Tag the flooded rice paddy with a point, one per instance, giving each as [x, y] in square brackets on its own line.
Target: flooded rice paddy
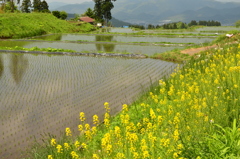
[42, 94]
[127, 39]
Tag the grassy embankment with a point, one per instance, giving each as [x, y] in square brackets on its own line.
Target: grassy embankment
[193, 114]
[177, 56]
[21, 25]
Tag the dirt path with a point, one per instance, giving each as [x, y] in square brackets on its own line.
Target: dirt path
[193, 51]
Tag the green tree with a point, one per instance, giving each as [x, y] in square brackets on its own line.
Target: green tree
[56, 13]
[44, 6]
[107, 6]
[89, 13]
[25, 7]
[36, 5]
[102, 10]
[98, 10]
[63, 15]
[9, 6]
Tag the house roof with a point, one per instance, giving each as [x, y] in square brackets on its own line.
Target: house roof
[87, 19]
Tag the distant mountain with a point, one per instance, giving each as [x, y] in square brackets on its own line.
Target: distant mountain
[156, 11]
[76, 8]
[55, 5]
[118, 23]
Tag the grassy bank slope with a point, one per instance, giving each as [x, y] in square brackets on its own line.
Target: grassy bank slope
[19, 25]
[193, 114]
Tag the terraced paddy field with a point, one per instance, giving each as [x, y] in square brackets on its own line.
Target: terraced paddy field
[42, 94]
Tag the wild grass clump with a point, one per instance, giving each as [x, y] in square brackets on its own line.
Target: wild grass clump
[173, 56]
[193, 114]
[16, 25]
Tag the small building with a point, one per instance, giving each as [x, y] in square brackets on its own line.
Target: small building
[87, 19]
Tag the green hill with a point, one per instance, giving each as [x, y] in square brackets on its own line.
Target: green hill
[20, 25]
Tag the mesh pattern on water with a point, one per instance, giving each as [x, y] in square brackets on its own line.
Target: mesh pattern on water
[42, 94]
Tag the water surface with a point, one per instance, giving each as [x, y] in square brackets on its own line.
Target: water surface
[42, 94]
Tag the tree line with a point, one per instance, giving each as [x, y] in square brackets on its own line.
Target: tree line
[27, 7]
[178, 25]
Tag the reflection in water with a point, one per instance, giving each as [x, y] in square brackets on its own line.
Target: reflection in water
[18, 66]
[106, 47]
[54, 37]
[1, 66]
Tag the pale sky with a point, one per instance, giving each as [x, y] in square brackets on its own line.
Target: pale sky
[80, 1]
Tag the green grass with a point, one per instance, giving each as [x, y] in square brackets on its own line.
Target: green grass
[18, 48]
[173, 56]
[20, 25]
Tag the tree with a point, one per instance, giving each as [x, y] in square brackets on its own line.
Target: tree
[44, 6]
[63, 15]
[107, 6]
[26, 4]
[56, 13]
[102, 10]
[36, 5]
[9, 5]
[98, 10]
[89, 13]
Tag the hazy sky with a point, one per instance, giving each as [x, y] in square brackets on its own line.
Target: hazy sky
[80, 1]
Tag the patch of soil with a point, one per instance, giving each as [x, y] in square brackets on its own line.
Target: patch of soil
[194, 51]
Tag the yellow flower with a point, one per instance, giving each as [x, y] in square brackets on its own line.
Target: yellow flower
[125, 108]
[68, 132]
[135, 155]
[95, 120]
[95, 156]
[145, 154]
[82, 116]
[53, 142]
[84, 146]
[120, 155]
[66, 146]
[59, 148]
[80, 127]
[109, 149]
[77, 144]
[152, 114]
[50, 157]
[106, 105]
[74, 155]
[87, 127]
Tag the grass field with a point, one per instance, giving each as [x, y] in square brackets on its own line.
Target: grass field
[20, 25]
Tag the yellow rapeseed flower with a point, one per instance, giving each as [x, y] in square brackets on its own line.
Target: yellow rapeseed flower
[95, 120]
[66, 146]
[95, 156]
[77, 144]
[59, 148]
[120, 155]
[106, 105]
[80, 128]
[68, 132]
[53, 142]
[74, 155]
[125, 108]
[50, 157]
[82, 116]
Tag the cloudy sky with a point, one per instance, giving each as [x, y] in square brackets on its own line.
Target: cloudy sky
[80, 1]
